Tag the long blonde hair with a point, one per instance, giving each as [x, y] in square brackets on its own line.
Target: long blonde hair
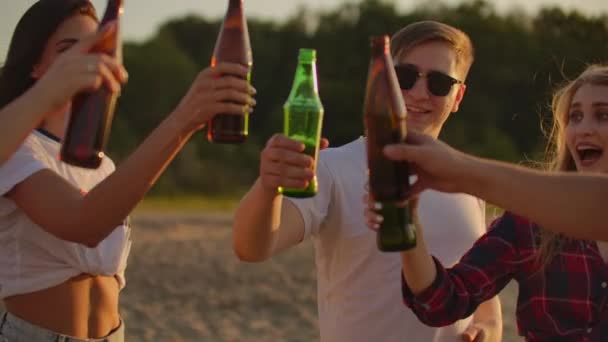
[557, 154]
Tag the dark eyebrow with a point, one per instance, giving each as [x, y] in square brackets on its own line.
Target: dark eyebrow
[67, 41]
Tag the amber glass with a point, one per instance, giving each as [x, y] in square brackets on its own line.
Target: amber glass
[384, 119]
[92, 112]
[233, 46]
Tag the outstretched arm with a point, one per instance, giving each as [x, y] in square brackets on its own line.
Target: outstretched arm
[572, 204]
[58, 207]
[440, 296]
[265, 223]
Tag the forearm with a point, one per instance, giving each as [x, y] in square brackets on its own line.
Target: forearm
[256, 222]
[489, 316]
[18, 119]
[107, 205]
[418, 266]
[572, 204]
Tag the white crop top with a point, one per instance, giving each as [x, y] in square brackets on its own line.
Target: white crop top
[31, 259]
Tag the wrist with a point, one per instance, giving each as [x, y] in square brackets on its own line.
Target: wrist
[268, 193]
[180, 122]
[43, 97]
[466, 172]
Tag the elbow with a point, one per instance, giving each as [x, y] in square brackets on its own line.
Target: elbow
[437, 318]
[436, 321]
[78, 232]
[88, 240]
[91, 243]
[245, 257]
[245, 253]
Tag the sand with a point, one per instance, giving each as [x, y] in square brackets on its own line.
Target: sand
[184, 283]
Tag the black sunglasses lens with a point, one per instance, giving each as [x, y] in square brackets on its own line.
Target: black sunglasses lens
[439, 84]
[407, 77]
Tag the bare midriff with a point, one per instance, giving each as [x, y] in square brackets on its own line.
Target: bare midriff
[85, 306]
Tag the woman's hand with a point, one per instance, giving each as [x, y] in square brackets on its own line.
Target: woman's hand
[221, 89]
[77, 70]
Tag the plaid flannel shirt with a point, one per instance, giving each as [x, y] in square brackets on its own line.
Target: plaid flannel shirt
[564, 301]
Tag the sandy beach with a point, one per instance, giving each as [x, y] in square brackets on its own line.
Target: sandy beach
[185, 284]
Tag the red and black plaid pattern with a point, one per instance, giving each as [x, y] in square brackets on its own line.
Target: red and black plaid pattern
[563, 301]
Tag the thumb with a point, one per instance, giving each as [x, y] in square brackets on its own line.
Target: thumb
[88, 43]
[401, 152]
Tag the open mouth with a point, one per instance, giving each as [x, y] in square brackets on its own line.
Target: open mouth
[589, 154]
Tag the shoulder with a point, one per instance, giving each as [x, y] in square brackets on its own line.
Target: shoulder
[33, 148]
[32, 156]
[344, 157]
[510, 219]
[432, 200]
[515, 228]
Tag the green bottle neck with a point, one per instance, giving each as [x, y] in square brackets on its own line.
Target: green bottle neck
[305, 82]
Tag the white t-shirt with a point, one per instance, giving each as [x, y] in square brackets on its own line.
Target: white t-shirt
[359, 287]
[32, 259]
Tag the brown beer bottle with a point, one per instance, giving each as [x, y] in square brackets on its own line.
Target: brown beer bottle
[233, 46]
[384, 119]
[92, 112]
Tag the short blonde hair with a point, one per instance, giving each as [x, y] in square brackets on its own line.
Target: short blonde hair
[433, 31]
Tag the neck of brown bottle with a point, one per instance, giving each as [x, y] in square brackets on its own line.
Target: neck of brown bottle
[380, 46]
[235, 5]
[113, 11]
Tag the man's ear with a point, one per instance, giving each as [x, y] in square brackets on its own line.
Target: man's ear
[459, 95]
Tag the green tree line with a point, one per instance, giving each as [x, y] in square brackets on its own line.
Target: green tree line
[520, 59]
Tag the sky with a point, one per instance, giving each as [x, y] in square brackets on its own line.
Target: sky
[142, 17]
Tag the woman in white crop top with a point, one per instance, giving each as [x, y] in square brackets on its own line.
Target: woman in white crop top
[63, 237]
[22, 110]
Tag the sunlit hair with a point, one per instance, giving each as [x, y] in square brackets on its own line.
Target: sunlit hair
[29, 40]
[433, 31]
[559, 157]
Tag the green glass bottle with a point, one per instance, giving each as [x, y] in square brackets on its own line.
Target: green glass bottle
[397, 232]
[303, 115]
[384, 119]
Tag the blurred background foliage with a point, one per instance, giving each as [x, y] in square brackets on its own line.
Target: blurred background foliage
[520, 59]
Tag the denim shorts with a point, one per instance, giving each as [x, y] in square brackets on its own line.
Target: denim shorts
[14, 329]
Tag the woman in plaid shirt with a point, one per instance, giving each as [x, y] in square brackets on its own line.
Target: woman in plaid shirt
[563, 282]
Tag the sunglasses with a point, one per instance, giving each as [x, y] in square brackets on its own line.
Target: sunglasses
[438, 83]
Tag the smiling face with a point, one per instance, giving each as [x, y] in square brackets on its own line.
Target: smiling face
[427, 112]
[67, 34]
[586, 131]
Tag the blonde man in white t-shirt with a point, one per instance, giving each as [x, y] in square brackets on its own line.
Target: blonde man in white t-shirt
[359, 291]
